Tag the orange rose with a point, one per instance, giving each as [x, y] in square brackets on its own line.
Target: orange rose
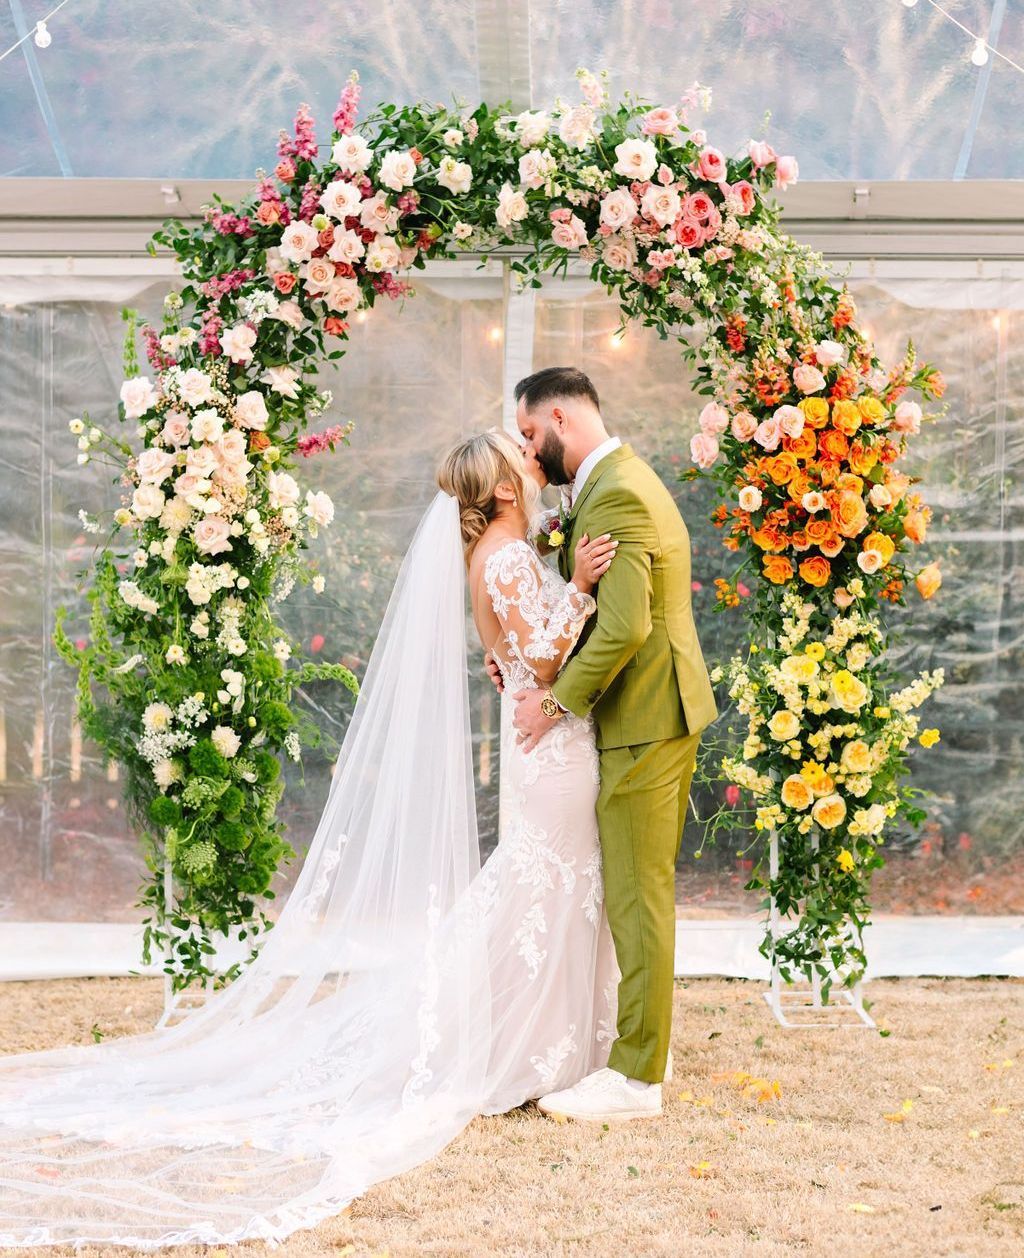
[915, 524]
[896, 483]
[799, 540]
[928, 580]
[258, 441]
[846, 417]
[815, 411]
[849, 513]
[847, 480]
[827, 471]
[800, 484]
[802, 447]
[768, 538]
[816, 570]
[832, 444]
[777, 569]
[862, 458]
[832, 545]
[782, 468]
[881, 542]
[820, 529]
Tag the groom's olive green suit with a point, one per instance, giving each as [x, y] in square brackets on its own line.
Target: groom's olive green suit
[638, 669]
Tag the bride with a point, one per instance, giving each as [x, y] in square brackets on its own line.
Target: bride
[404, 989]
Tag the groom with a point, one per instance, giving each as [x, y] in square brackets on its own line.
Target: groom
[639, 671]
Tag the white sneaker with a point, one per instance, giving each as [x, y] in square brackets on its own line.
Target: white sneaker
[604, 1097]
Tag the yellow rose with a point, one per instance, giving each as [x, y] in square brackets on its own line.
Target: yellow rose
[882, 712]
[846, 417]
[815, 411]
[829, 811]
[556, 537]
[848, 692]
[816, 778]
[816, 650]
[929, 737]
[872, 409]
[796, 793]
[845, 861]
[784, 725]
[856, 757]
[800, 667]
[881, 542]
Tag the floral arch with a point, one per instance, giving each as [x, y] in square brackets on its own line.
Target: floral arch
[186, 677]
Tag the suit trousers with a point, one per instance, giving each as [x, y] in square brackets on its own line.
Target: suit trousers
[641, 810]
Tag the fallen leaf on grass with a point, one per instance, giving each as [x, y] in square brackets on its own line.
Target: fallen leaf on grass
[703, 1170]
[751, 1086]
[901, 1114]
[1005, 1064]
[860, 1207]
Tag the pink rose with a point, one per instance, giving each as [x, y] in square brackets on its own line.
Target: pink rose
[744, 425]
[212, 535]
[786, 172]
[808, 379]
[907, 418]
[703, 449]
[318, 274]
[562, 214]
[187, 483]
[661, 121]
[714, 419]
[570, 235]
[665, 175]
[176, 431]
[154, 465]
[743, 196]
[711, 165]
[792, 420]
[617, 209]
[829, 353]
[201, 461]
[768, 433]
[688, 232]
[231, 447]
[761, 154]
[698, 205]
[661, 259]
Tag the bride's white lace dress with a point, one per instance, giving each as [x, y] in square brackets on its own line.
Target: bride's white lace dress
[404, 989]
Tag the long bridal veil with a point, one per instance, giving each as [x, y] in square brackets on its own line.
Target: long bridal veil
[354, 1046]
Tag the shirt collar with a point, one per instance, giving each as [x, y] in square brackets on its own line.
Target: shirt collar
[588, 465]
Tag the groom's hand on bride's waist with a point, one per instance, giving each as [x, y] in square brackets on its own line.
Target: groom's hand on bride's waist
[493, 671]
[530, 722]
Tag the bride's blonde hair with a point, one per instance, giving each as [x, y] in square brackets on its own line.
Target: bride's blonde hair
[472, 470]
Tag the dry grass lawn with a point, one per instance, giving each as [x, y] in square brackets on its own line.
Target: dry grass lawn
[819, 1170]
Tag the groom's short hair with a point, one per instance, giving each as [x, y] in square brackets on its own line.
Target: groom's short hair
[556, 382]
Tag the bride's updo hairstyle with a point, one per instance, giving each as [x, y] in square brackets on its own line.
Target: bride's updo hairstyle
[471, 472]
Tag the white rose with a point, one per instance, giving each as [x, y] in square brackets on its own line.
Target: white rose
[298, 241]
[225, 740]
[452, 137]
[138, 395]
[351, 154]
[175, 654]
[148, 501]
[207, 425]
[319, 507]
[378, 215]
[532, 127]
[251, 410]
[343, 294]
[454, 175]
[237, 343]
[291, 313]
[829, 353]
[576, 128]
[154, 465]
[750, 498]
[618, 208]
[637, 159]
[661, 204]
[347, 246]
[512, 207]
[284, 490]
[341, 199]
[195, 387]
[397, 170]
[282, 380]
[383, 255]
[536, 167]
[880, 497]
[317, 274]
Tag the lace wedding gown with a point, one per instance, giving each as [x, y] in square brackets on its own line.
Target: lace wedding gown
[404, 989]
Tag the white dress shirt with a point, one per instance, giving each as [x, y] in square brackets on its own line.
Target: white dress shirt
[588, 465]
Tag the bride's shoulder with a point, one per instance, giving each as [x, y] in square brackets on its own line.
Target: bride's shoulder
[498, 558]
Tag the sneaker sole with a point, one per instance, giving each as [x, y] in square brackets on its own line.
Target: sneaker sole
[620, 1116]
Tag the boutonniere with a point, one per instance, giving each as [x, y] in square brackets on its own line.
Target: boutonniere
[554, 528]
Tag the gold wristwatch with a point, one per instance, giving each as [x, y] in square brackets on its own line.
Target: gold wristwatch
[549, 706]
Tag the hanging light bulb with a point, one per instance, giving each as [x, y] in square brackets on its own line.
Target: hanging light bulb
[42, 38]
[909, 4]
[980, 54]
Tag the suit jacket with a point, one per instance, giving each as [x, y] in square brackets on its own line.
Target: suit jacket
[638, 665]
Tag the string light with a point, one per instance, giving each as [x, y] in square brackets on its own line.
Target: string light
[362, 316]
[616, 339]
[495, 334]
[982, 48]
[39, 34]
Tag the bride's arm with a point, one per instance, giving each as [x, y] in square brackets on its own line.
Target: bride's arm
[540, 629]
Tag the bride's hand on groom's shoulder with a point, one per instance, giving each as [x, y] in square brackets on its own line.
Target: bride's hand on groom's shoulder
[493, 671]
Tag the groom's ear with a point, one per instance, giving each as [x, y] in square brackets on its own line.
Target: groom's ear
[559, 418]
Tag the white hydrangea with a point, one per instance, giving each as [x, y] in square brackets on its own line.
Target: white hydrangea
[225, 740]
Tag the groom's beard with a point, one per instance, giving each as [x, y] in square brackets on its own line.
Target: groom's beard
[551, 457]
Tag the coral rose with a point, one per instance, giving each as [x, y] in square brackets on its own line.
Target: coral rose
[928, 580]
[778, 569]
[816, 570]
[781, 469]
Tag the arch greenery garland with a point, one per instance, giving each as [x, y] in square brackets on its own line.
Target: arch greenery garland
[187, 677]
